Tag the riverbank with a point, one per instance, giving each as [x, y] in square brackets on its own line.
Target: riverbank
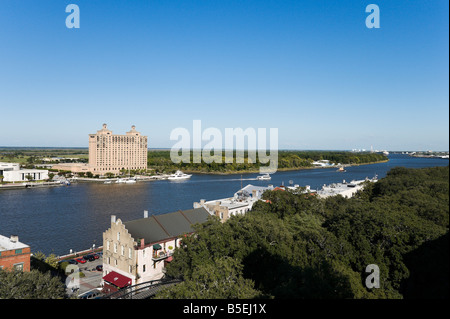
[29, 185]
[286, 169]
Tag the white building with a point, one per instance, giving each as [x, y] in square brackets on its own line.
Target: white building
[12, 172]
[239, 204]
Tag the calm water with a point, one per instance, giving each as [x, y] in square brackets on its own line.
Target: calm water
[74, 217]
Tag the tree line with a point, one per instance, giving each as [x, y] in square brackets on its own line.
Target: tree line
[160, 161]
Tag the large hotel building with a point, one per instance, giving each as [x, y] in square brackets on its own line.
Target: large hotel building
[109, 153]
[113, 153]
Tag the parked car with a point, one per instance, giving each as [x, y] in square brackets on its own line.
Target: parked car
[81, 260]
[96, 256]
[99, 268]
[89, 257]
[72, 261]
[92, 294]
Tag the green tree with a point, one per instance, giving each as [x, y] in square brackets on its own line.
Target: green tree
[220, 279]
[30, 285]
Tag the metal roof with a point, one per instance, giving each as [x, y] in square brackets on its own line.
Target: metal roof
[157, 228]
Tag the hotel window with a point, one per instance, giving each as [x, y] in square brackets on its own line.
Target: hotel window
[143, 268]
[118, 235]
[107, 245]
[115, 247]
[130, 268]
[123, 250]
[129, 253]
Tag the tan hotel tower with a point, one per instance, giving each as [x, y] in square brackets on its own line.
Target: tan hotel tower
[112, 153]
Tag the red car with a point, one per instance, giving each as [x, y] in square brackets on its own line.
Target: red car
[81, 260]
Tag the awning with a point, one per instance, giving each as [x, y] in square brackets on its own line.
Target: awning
[169, 259]
[157, 246]
[117, 279]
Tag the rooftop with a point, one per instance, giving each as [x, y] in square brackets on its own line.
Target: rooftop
[156, 228]
[10, 244]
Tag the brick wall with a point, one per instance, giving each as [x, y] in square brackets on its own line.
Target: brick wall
[10, 258]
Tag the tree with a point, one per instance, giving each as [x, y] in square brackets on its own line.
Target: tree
[220, 279]
[30, 285]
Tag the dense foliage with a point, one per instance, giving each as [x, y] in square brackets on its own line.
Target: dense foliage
[301, 246]
[30, 285]
[161, 161]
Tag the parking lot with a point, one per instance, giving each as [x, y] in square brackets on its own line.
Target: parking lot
[90, 279]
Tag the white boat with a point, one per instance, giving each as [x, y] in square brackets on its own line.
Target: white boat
[178, 175]
[108, 182]
[125, 181]
[265, 177]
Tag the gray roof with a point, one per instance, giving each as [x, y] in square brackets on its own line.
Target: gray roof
[157, 228]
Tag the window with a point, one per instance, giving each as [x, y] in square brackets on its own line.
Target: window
[18, 251]
[129, 253]
[123, 250]
[18, 267]
[143, 268]
[107, 245]
[115, 247]
[118, 235]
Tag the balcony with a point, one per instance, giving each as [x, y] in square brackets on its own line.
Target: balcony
[157, 256]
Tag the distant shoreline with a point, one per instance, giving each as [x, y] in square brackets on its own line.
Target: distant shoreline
[278, 170]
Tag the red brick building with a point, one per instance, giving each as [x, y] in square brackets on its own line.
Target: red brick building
[14, 254]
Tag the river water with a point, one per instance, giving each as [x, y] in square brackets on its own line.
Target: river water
[57, 219]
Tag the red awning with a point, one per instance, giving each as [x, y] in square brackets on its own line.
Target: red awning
[117, 279]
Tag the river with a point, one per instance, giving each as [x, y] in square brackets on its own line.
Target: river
[57, 219]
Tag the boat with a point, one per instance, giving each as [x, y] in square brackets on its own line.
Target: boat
[108, 182]
[178, 176]
[340, 169]
[265, 177]
[125, 181]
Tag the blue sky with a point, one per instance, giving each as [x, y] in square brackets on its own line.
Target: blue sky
[312, 69]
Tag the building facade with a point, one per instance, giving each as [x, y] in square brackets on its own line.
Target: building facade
[14, 255]
[137, 251]
[12, 172]
[112, 153]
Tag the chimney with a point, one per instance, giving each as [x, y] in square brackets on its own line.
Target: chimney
[145, 213]
[14, 238]
[113, 219]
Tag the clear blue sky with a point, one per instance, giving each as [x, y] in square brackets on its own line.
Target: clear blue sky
[309, 68]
